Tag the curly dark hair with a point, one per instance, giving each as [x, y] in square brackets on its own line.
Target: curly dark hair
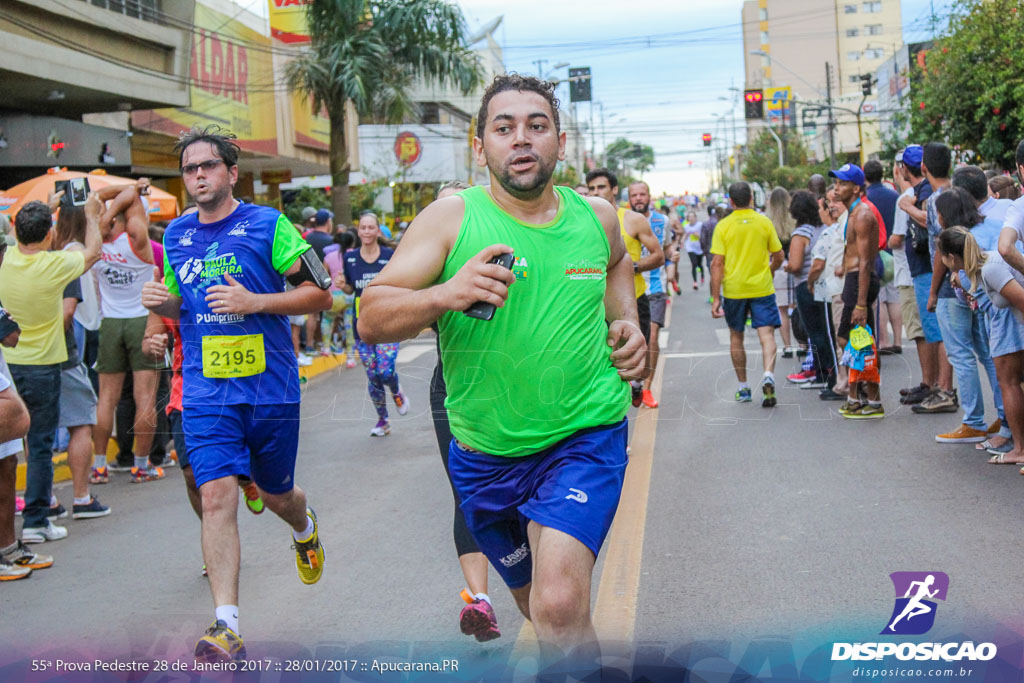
[513, 81]
[803, 207]
[222, 140]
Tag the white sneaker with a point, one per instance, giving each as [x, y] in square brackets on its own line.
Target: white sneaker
[304, 361]
[382, 429]
[50, 532]
[401, 402]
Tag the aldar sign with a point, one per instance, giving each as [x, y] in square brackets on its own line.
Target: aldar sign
[231, 84]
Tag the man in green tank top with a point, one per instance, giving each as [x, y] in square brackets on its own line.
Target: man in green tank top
[538, 394]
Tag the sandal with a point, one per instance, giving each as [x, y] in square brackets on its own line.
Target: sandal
[987, 444]
[1000, 459]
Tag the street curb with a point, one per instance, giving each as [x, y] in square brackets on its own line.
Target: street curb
[62, 473]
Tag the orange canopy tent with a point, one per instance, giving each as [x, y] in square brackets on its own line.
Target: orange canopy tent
[163, 206]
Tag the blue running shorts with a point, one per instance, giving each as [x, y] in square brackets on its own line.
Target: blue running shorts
[572, 486]
[763, 312]
[234, 440]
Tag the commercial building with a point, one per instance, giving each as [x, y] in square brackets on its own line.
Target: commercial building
[235, 80]
[787, 43]
[66, 61]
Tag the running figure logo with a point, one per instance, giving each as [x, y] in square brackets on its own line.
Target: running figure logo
[914, 612]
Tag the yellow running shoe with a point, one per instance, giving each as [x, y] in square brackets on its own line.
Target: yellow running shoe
[219, 644]
[309, 555]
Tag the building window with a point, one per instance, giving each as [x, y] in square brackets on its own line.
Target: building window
[762, 14]
[147, 10]
[852, 33]
[850, 9]
[853, 56]
[873, 53]
[854, 79]
[874, 29]
[766, 61]
[764, 37]
[872, 7]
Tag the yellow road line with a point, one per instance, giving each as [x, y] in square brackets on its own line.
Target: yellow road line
[615, 610]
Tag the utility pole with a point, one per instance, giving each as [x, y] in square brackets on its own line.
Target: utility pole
[831, 118]
[540, 67]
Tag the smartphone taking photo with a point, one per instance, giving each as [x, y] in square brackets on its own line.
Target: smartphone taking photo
[76, 191]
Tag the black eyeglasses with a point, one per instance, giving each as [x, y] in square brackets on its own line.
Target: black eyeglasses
[207, 166]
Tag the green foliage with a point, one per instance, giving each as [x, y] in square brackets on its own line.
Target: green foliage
[623, 154]
[307, 196]
[971, 92]
[566, 174]
[762, 162]
[369, 53]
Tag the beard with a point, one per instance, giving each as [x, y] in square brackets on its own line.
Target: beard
[523, 186]
[640, 208]
[213, 198]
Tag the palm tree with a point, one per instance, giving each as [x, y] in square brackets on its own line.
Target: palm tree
[369, 53]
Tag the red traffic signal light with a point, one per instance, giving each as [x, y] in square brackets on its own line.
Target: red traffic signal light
[706, 137]
[753, 104]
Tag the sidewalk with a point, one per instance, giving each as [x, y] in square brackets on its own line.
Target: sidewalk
[61, 472]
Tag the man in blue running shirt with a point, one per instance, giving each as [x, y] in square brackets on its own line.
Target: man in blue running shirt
[224, 274]
[657, 289]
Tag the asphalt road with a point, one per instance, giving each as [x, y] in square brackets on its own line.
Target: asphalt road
[759, 523]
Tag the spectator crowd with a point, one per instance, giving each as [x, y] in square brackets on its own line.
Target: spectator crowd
[83, 360]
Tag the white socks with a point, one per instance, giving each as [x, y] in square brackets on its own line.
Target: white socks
[99, 461]
[229, 615]
[142, 463]
[83, 501]
[307, 534]
[483, 596]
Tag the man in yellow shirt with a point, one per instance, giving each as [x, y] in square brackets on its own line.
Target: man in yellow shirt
[746, 252]
[32, 281]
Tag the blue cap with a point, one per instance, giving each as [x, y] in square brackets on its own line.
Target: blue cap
[323, 215]
[850, 173]
[913, 154]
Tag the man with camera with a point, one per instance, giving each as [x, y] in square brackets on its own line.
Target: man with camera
[32, 281]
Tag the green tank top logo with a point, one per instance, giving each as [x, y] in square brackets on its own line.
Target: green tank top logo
[520, 268]
[540, 370]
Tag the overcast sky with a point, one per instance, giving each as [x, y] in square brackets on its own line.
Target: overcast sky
[663, 91]
[659, 67]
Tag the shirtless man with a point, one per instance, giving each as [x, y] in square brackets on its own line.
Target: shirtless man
[860, 289]
[637, 234]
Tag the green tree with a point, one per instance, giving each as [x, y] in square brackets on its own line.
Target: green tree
[369, 53]
[761, 163]
[566, 174]
[622, 155]
[970, 91]
[306, 196]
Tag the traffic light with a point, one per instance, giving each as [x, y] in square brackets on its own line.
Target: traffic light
[865, 84]
[753, 104]
[707, 139]
[579, 84]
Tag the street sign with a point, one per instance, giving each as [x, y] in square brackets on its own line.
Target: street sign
[579, 84]
[777, 101]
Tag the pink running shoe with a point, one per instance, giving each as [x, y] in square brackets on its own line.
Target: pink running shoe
[801, 377]
[19, 505]
[478, 620]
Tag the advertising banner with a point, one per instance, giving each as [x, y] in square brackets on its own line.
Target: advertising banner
[288, 20]
[232, 85]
